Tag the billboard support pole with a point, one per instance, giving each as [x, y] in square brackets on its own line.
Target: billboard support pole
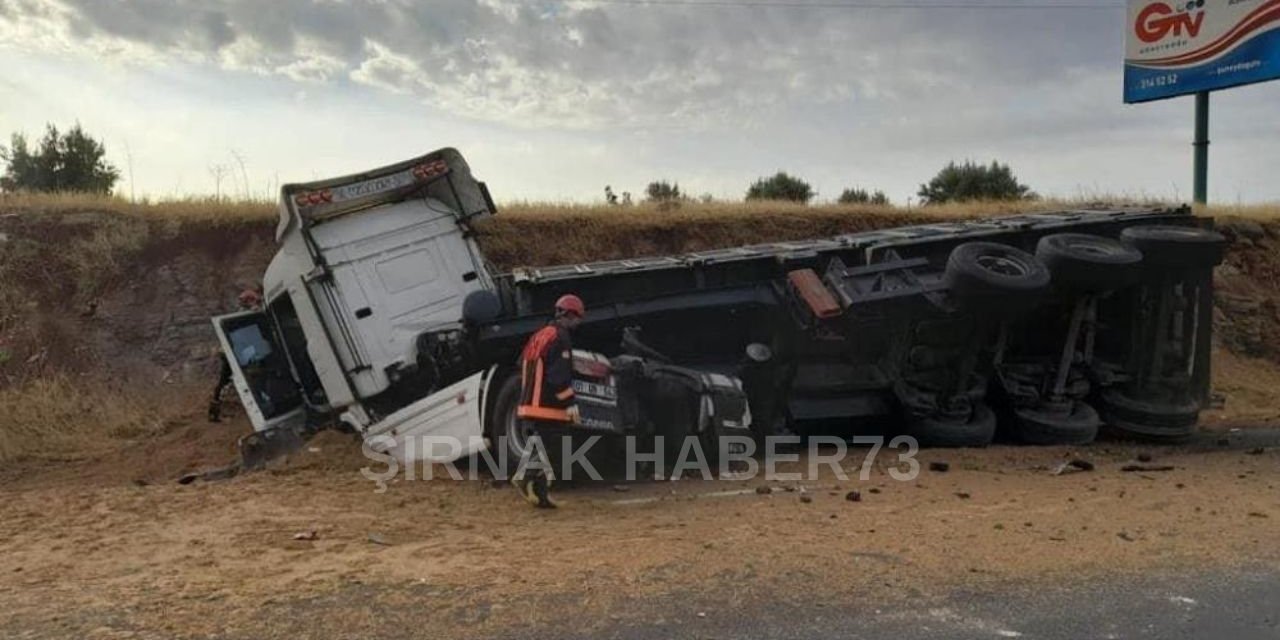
[1201, 145]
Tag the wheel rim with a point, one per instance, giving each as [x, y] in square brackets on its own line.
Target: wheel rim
[1003, 265]
[518, 433]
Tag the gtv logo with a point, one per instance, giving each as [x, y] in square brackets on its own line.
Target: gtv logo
[1158, 20]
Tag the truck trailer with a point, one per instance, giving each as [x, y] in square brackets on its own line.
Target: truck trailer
[382, 315]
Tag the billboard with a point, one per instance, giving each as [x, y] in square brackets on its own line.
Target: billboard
[1176, 47]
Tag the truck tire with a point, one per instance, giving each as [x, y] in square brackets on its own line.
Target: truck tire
[1077, 426]
[978, 431]
[505, 429]
[1170, 246]
[1087, 262]
[1156, 421]
[986, 269]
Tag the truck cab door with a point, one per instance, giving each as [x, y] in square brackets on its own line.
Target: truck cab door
[260, 370]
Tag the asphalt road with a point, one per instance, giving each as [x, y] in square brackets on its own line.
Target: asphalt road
[1238, 606]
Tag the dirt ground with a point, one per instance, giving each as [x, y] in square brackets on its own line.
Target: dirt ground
[113, 548]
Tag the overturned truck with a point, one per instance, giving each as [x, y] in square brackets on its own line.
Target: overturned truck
[383, 314]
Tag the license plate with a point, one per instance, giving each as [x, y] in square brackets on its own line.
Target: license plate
[594, 389]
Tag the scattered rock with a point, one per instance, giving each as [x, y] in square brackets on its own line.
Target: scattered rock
[940, 467]
[1124, 535]
[1144, 457]
[1224, 442]
[621, 488]
[806, 499]
[764, 490]
[874, 490]
[139, 482]
[1258, 514]
[309, 534]
[853, 496]
[378, 539]
[963, 495]
[1257, 451]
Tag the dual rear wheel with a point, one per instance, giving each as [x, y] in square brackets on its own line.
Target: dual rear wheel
[1002, 281]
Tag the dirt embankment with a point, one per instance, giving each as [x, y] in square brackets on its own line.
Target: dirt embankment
[104, 314]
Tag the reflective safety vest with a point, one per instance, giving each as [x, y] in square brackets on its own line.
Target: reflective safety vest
[546, 375]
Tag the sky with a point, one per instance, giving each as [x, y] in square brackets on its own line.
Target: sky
[554, 99]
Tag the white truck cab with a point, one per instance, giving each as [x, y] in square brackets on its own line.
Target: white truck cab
[366, 264]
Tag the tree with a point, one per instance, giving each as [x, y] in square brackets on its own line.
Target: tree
[860, 196]
[781, 187]
[661, 190]
[73, 161]
[972, 181]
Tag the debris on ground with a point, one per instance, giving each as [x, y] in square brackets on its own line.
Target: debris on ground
[940, 467]
[1072, 466]
[764, 490]
[963, 495]
[854, 496]
[212, 475]
[309, 534]
[1130, 468]
[1144, 457]
[1257, 451]
[621, 488]
[378, 539]
[806, 499]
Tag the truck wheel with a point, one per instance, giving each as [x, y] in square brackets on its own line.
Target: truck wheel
[1087, 262]
[990, 268]
[1078, 425]
[1170, 246]
[506, 429]
[1172, 421]
[979, 431]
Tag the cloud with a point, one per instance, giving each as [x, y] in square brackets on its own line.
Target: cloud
[583, 65]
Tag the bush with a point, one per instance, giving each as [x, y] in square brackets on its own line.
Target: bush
[661, 191]
[860, 196]
[73, 161]
[781, 187]
[972, 181]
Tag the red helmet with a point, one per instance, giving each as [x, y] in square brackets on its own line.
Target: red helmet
[570, 303]
[250, 298]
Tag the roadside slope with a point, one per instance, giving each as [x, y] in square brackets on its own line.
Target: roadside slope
[105, 305]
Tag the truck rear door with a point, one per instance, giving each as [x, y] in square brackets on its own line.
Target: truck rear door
[259, 370]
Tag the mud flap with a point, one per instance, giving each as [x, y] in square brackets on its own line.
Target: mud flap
[261, 447]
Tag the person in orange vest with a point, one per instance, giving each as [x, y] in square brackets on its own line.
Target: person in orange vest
[546, 395]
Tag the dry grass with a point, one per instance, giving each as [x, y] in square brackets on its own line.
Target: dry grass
[1269, 211]
[195, 211]
[56, 418]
